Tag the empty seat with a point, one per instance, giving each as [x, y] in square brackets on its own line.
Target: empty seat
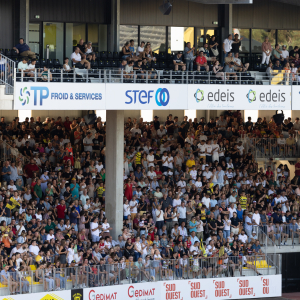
[56, 63]
[43, 62]
[116, 55]
[103, 55]
[50, 63]
[109, 55]
[94, 64]
[14, 53]
[8, 52]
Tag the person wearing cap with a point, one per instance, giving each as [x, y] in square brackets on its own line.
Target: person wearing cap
[177, 61]
[230, 72]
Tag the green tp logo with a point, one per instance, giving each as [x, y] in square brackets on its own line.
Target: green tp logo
[251, 96]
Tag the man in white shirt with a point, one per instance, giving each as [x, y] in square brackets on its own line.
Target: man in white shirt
[135, 130]
[284, 53]
[150, 158]
[201, 147]
[208, 151]
[207, 173]
[95, 230]
[151, 174]
[31, 67]
[256, 220]
[34, 249]
[182, 213]
[243, 237]
[23, 67]
[231, 209]
[227, 46]
[193, 173]
[182, 230]
[181, 183]
[79, 62]
[140, 49]
[161, 131]
[241, 148]
[50, 235]
[206, 201]
[133, 207]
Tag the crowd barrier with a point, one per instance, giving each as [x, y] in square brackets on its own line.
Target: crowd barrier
[214, 288]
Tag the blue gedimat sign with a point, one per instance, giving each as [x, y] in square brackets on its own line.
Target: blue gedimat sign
[119, 96]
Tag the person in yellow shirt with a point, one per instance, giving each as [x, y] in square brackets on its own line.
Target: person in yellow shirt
[191, 162]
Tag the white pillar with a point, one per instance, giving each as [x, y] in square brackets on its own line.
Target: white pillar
[114, 170]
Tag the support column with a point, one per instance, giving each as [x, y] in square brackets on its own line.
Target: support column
[24, 20]
[114, 27]
[114, 170]
[225, 19]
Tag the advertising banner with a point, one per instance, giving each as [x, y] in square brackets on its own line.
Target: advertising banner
[122, 96]
[296, 97]
[136, 291]
[209, 288]
[241, 97]
[59, 96]
[55, 295]
[223, 288]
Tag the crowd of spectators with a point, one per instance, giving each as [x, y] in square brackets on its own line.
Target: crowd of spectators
[191, 193]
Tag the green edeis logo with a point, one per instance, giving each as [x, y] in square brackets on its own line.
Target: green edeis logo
[251, 96]
[199, 95]
[24, 95]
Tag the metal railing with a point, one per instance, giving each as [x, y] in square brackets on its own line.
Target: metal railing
[272, 147]
[147, 76]
[49, 278]
[7, 152]
[282, 235]
[7, 67]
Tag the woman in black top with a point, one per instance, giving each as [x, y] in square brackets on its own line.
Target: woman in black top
[213, 47]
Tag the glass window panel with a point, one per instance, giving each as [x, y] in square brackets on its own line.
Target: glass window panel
[245, 34]
[200, 37]
[258, 37]
[93, 35]
[189, 35]
[34, 37]
[156, 35]
[53, 35]
[74, 33]
[291, 38]
[127, 33]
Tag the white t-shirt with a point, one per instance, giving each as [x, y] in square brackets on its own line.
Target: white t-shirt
[133, 203]
[93, 226]
[285, 53]
[208, 150]
[227, 224]
[31, 67]
[256, 218]
[105, 226]
[161, 217]
[193, 174]
[151, 174]
[227, 45]
[77, 57]
[243, 238]
[206, 201]
[126, 210]
[176, 202]
[34, 249]
[50, 237]
[150, 158]
[139, 49]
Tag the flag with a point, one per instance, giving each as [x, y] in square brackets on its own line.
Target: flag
[221, 251]
[202, 248]
[12, 203]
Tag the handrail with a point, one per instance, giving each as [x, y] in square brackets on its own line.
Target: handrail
[6, 75]
[6, 151]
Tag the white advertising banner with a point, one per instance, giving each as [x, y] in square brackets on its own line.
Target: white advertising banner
[241, 97]
[137, 291]
[210, 288]
[223, 288]
[59, 96]
[122, 96]
[296, 97]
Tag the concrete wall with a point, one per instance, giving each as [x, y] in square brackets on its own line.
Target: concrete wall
[8, 114]
[163, 114]
[57, 113]
[132, 114]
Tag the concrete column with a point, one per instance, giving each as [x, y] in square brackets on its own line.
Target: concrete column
[207, 115]
[114, 170]
[113, 36]
[24, 20]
